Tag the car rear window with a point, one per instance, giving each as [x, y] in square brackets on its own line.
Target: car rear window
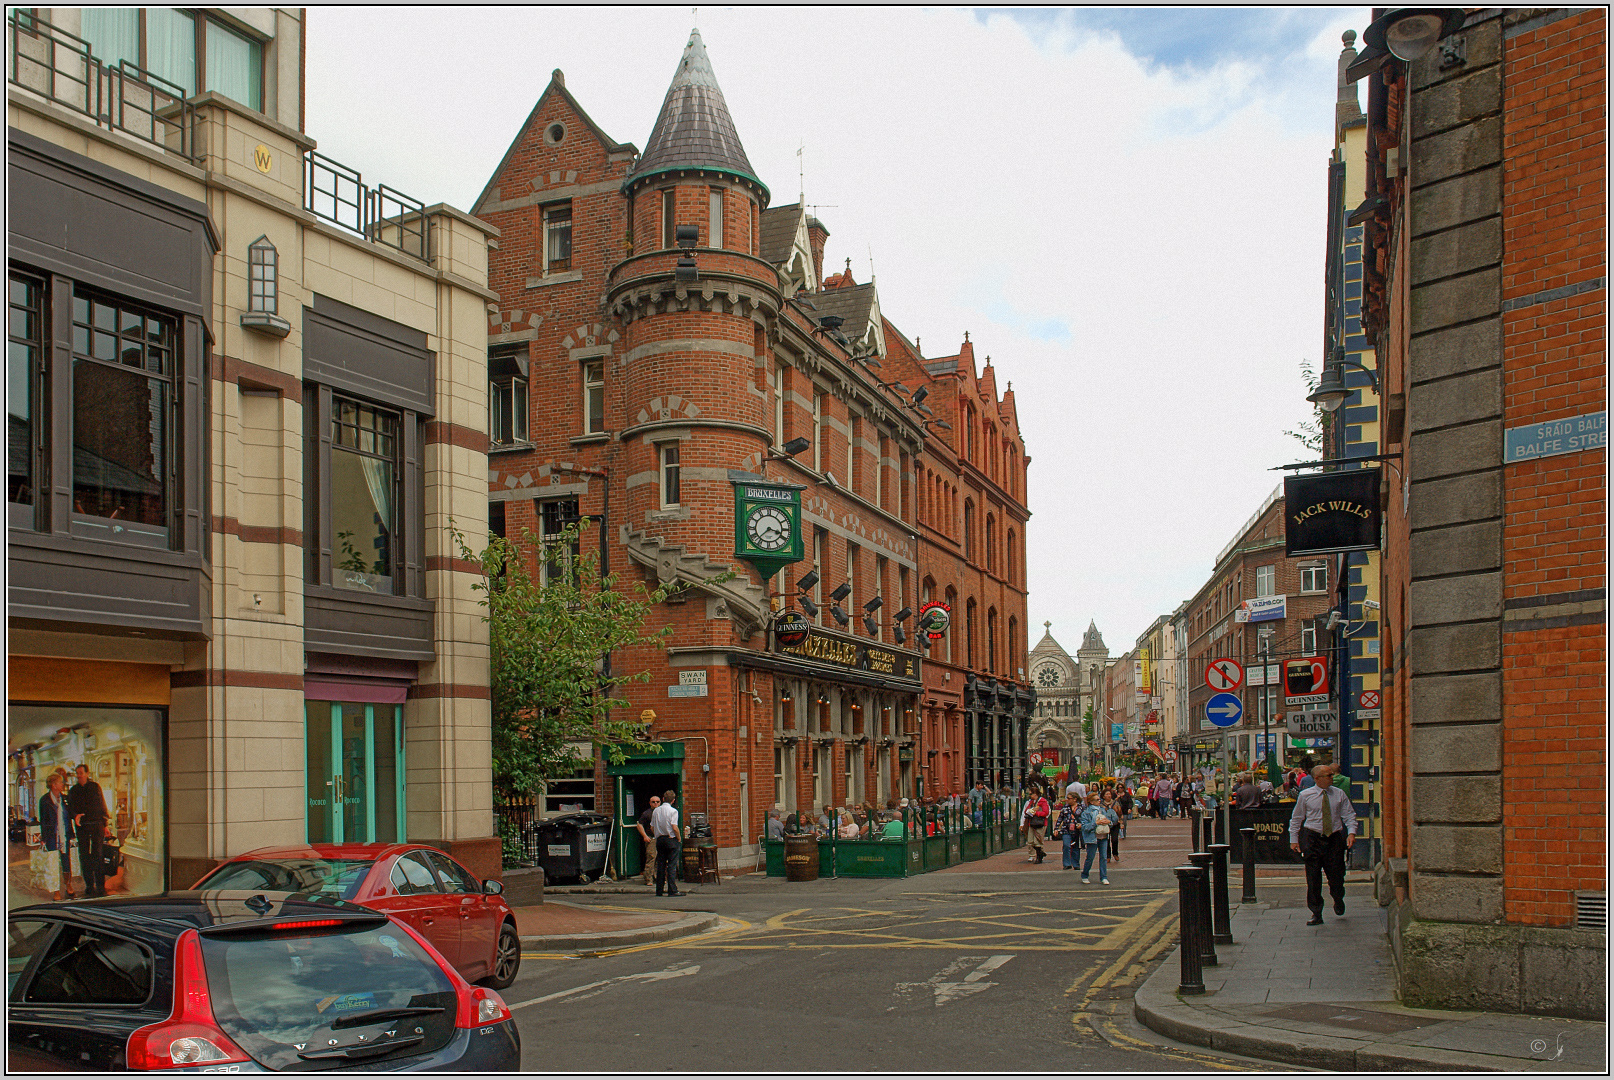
[287, 996]
[333, 877]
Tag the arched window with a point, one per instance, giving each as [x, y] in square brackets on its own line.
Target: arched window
[1014, 647]
[263, 277]
[992, 640]
[970, 651]
[969, 531]
[952, 608]
[991, 544]
[1008, 552]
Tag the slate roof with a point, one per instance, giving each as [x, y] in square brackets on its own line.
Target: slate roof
[851, 302]
[1093, 640]
[779, 232]
[694, 130]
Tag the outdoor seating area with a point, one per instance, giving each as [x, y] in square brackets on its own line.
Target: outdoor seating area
[898, 842]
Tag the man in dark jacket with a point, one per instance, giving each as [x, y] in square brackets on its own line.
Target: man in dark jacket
[86, 807]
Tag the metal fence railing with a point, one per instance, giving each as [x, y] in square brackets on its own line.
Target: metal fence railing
[515, 823]
[335, 193]
[62, 67]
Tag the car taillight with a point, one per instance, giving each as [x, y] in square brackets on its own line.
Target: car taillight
[190, 1035]
[480, 1006]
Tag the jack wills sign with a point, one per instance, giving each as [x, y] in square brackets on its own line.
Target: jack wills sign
[1328, 512]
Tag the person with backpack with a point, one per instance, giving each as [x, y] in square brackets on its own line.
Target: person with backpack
[1034, 819]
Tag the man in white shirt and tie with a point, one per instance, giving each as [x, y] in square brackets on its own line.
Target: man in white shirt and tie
[1322, 829]
[664, 824]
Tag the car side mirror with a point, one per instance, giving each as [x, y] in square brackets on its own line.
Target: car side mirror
[493, 886]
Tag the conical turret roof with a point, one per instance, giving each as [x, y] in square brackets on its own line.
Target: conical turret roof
[694, 130]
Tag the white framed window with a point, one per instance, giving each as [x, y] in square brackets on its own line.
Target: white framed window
[667, 453]
[778, 777]
[507, 396]
[714, 217]
[558, 238]
[558, 560]
[779, 405]
[1314, 579]
[1308, 641]
[593, 396]
[818, 430]
[821, 776]
[1266, 578]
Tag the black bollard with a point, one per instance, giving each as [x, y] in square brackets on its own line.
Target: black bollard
[1192, 979]
[1207, 942]
[1209, 822]
[1222, 922]
[1193, 824]
[1222, 822]
[1248, 836]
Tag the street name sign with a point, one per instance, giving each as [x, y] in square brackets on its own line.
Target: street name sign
[1224, 674]
[1224, 710]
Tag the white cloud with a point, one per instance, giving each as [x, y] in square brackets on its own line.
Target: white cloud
[1013, 186]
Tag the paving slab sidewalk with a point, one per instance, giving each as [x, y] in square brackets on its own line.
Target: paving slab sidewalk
[556, 926]
[1324, 997]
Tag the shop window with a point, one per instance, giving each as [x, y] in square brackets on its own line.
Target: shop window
[1314, 579]
[167, 42]
[593, 396]
[364, 496]
[670, 492]
[24, 366]
[557, 238]
[263, 266]
[123, 417]
[559, 558]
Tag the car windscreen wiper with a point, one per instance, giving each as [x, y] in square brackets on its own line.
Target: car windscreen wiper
[375, 1016]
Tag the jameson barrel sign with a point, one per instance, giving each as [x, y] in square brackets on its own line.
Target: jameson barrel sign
[1328, 512]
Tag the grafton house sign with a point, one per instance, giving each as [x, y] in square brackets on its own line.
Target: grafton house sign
[1329, 512]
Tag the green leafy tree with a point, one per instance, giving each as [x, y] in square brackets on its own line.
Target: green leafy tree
[547, 678]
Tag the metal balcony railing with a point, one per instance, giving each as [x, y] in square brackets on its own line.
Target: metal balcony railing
[335, 193]
[60, 67]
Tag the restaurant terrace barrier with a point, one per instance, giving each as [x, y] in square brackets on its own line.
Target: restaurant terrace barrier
[932, 838]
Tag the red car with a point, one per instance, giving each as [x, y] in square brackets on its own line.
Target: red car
[465, 919]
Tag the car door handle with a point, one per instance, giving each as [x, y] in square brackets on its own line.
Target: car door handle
[427, 920]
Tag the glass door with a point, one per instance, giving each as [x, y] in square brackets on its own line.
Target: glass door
[355, 768]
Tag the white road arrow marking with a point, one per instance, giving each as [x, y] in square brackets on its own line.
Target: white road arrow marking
[945, 990]
[599, 987]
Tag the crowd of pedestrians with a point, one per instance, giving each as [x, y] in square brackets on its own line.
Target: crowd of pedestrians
[900, 818]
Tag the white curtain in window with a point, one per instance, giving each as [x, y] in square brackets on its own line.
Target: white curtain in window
[171, 47]
[378, 478]
[113, 34]
[234, 66]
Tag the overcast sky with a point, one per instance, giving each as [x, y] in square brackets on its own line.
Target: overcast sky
[1124, 208]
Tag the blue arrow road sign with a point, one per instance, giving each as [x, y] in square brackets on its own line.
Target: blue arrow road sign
[1224, 710]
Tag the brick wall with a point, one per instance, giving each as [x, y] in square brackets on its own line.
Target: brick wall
[1554, 292]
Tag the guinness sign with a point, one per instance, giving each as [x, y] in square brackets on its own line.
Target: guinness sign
[1330, 512]
[790, 630]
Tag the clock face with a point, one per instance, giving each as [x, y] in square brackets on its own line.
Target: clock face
[768, 528]
[1048, 676]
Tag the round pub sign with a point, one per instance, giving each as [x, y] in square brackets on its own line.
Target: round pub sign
[791, 630]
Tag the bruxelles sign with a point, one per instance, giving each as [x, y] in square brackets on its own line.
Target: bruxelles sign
[855, 655]
[1330, 512]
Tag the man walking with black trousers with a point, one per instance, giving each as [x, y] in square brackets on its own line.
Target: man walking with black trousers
[664, 823]
[87, 808]
[1322, 829]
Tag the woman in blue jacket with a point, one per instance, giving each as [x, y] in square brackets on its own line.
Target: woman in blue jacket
[1092, 815]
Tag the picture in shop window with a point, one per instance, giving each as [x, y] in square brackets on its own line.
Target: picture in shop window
[122, 751]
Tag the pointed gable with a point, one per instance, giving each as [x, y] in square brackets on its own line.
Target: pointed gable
[787, 246]
[556, 102]
[694, 129]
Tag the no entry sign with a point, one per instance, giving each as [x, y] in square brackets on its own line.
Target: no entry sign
[1224, 674]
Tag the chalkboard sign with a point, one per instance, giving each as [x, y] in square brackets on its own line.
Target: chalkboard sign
[1271, 825]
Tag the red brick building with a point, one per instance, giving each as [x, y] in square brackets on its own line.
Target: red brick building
[1486, 290]
[623, 392]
